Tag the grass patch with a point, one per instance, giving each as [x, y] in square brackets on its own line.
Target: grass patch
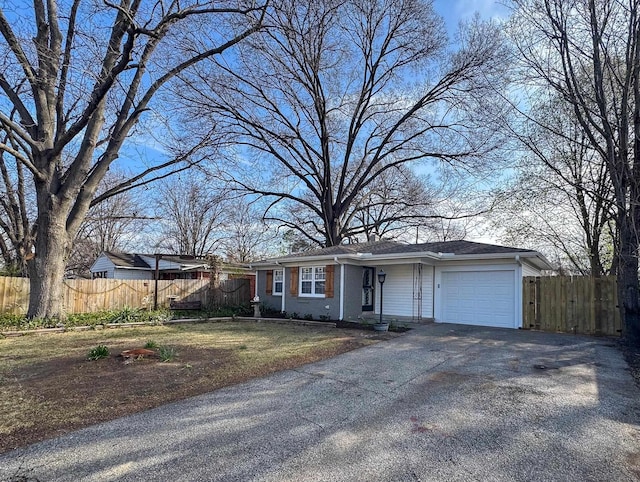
[49, 386]
[166, 353]
[100, 351]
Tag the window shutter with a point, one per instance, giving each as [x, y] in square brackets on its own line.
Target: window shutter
[328, 288]
[294, 281]
[269, 287]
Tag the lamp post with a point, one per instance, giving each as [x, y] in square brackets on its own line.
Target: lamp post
[381, 276]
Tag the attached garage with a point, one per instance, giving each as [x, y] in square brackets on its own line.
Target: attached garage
[483, 298]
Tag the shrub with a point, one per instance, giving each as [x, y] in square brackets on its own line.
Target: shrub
[100, 351]
[151, 345]
[125, 315]
[269, 311]
[8, 320]
[214, 312]
[308, 317]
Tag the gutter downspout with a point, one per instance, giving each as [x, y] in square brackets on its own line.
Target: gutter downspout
[433, 294]
[341, 316]
[519, 318]
[284, 283]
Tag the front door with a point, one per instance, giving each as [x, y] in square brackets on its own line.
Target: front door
[367, 288]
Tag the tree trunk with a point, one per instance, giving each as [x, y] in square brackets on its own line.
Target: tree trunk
[628, 286]
[46, 268]
[333, 236]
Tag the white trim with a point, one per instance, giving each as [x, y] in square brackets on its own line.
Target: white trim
[256, 285]
[284, 283]
[341, 291]
[426, 257]
[273, 284]
[518, 294]
[313, 281]
[341, 302]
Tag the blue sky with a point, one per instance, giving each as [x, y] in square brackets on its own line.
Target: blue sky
[454, 11]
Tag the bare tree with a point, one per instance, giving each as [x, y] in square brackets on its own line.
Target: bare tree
[461, 215]
[16, 214]
[248, 237]
[588, 52]
[401, 204]
[77, 78]
[116, 224]
[561, 199]
[334, 95]
[194, 213]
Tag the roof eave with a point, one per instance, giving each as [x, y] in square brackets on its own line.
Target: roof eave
[536, 258]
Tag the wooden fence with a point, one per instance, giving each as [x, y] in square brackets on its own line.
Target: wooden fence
[571, 304]
[84, 296]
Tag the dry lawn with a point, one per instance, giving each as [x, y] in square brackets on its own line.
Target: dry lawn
[49, 387]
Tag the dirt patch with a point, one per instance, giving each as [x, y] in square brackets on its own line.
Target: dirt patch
[44, 394]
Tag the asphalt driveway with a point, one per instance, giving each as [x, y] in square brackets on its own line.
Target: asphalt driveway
[442, 402]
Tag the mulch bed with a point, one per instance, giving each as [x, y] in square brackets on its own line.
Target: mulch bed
[367, 326]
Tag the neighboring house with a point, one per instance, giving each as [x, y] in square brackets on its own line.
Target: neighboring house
[142, 266]
[453, 281]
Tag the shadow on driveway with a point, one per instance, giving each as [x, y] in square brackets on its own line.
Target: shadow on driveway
[442, 402]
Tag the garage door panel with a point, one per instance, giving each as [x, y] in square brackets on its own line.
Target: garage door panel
[485, 298]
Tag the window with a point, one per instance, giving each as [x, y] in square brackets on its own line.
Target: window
[100, 274]
[278, 281]
[312, 281]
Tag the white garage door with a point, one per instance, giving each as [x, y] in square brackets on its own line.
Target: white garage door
[485, 298]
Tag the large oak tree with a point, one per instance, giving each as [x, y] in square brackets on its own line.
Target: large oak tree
[332, 95]
[77, 78]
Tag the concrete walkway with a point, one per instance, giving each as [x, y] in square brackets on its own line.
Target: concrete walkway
[442, 402]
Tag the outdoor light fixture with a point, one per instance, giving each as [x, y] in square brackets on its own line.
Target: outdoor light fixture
[381, 277]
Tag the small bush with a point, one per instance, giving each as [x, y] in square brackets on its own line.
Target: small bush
[126, 315]
[308, 317]
[38, 323]
[214, 312]
[166, 353]
[100, 351]
[151, 345]
[8, 320]
[269, 311]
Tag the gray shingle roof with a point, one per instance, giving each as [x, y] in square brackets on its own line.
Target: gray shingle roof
[133, 260]
[460, 247]
[371, 247]
[126, 260]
